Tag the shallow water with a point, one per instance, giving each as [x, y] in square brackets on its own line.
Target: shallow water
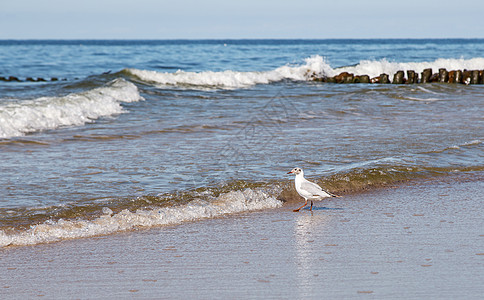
[150, 125]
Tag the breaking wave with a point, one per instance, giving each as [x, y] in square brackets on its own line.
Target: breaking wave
[110, 222]
[313, 66]
[115, 215]
[18, 119]
[232, 79]
[374, 68]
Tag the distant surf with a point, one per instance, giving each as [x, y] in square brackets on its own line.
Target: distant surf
[45, 113]
[374, 68]
[313, 66]
[230, 79]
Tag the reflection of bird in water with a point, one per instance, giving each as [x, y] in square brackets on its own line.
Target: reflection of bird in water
[307, 189]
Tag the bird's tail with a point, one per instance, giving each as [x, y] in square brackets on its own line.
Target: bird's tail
[332, 195]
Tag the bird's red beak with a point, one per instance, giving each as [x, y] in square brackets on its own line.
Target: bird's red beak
[289, 172]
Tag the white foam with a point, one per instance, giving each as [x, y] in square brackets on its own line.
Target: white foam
[232, 79]
[374, 68]
[228, 203]
[423, 99]
[472, 143]
[467, 144]
[457, 147]
[314, 65]
[17, 119]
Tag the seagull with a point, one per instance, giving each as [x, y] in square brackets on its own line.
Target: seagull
[307, 189]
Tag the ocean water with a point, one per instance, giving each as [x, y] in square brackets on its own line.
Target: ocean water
[135, 134]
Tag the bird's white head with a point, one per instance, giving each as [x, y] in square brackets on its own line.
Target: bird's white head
[296, 171]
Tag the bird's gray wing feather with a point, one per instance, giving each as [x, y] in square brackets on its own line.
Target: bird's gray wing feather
[314, 189]
[311, 187]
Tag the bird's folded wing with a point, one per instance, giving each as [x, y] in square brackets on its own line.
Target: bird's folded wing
[310, 187]
[314, 189]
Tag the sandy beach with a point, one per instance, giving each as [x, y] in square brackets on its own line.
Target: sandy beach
[422, 240]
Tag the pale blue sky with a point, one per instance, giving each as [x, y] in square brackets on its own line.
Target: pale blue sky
[214, 19]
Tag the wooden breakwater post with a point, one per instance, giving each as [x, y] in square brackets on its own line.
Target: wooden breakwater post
[455, 76]
[10, 78]
[412, 77]
[384, 78]
[398, 78]
[466, 77]
[344, 77]
[427, 76]
[475, 77]
[361, 79]
[443, 75]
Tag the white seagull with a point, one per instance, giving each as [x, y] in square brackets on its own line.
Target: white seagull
[307, 189]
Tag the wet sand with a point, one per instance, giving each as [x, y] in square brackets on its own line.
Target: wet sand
[422, 240]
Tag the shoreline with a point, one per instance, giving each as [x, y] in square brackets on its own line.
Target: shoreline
[56, 224]
[421, 239]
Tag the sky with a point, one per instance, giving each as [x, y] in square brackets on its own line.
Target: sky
[245, 19]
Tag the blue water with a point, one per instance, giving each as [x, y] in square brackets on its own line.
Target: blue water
[130, 120]
[82, 58]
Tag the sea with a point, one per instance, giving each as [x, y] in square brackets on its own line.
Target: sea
[104, 136]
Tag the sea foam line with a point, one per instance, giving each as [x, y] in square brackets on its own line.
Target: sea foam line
[313, 66]
[228, 203]
[17, 119]
[233, 79]
[374, 68]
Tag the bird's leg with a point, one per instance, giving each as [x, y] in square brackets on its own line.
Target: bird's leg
[305, 203]
[311, 205]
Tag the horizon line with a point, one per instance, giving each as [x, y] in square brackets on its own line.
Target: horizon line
[229, 39]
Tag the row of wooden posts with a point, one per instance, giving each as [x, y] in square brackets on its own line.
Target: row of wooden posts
[443, 76]
[39, 79]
